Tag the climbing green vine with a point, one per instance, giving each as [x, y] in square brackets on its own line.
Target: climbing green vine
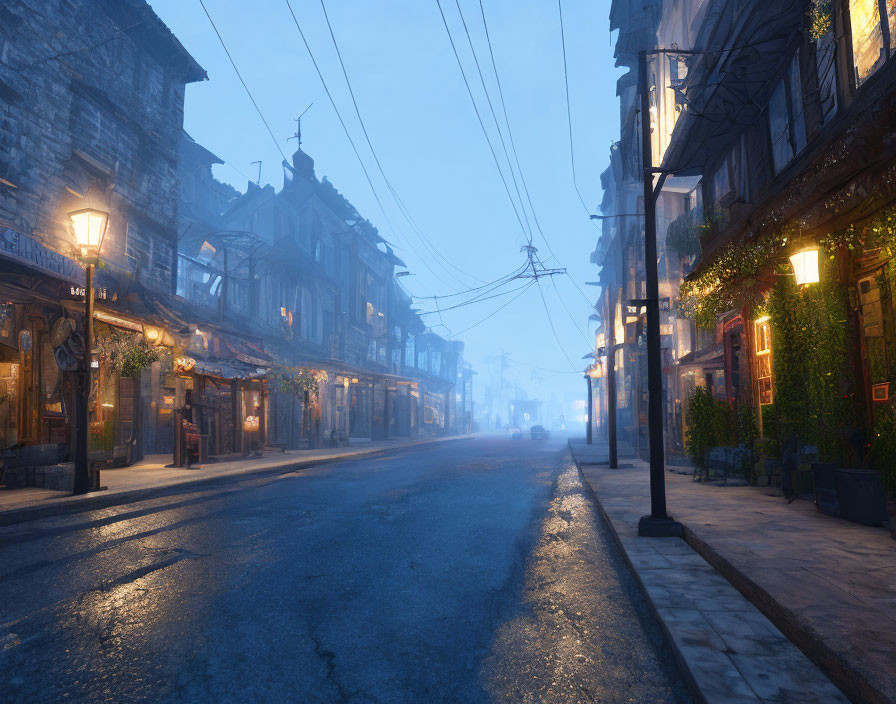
[731, 279]
[812, 380]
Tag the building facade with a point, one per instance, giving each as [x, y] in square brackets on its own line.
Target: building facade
[781, 123]
[224, 322]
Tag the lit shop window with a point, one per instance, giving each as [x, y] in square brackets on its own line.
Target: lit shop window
[868, 47]
[763, 334]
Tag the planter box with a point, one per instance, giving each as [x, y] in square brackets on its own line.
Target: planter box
[825, 479]
[861, 496]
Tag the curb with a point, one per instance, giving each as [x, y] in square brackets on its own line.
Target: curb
[103, 500]
[683, 665]
[852, 683]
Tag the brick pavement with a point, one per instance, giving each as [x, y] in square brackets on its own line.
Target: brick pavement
[827, 584]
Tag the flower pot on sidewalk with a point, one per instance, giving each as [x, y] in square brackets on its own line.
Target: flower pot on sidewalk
[860, 493]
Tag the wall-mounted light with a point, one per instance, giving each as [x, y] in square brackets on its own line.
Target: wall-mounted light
[152, 335]
[805, 266]
[89, 226]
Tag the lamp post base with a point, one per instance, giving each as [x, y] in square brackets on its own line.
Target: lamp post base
[650, 527]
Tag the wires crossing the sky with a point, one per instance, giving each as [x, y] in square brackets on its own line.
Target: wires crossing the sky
[572, 151]
[427, 243]
[481, 121]
[240, 76]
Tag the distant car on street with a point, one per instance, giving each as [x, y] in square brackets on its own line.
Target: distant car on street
[515, 433]
[539, 432]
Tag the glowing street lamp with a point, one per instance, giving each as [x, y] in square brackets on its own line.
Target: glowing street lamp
[89, 227]
[805, 266]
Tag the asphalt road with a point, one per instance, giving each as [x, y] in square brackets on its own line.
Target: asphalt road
[472, 571]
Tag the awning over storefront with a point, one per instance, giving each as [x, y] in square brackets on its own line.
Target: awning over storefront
[229, 369]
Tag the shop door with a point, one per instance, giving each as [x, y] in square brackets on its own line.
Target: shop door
[9, 404]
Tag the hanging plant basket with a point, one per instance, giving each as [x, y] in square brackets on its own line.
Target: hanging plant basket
[126, 355]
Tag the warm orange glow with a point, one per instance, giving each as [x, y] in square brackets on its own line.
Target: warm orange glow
[89, 226]
[805, 266]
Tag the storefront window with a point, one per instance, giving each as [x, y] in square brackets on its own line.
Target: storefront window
[763, 334]
[867, 38]
[9, 383]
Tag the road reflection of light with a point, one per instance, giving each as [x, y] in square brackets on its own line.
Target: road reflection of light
[578, 639]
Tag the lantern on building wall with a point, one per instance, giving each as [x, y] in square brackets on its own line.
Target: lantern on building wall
[805, 266]
[152, 335]
[251, 424]
[89, 226]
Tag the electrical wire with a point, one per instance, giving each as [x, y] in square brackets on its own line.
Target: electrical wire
[240, 76]
[495, 312]
[477, 299]
[507, 277]
[423, 238]
[513, 147]
[352, 141]
[479, 118]
[572, 155]
[553, 329]
[495, 119]
[516, 159]
[588, 343]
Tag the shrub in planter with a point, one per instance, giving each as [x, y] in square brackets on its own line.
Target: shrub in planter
[708, 427]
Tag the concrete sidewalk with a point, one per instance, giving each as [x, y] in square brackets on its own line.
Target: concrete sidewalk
[151, 477]
[826, 584]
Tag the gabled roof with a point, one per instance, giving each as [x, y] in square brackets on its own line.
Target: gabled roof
[146, 27]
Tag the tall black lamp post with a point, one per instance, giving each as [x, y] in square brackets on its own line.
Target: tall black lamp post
[89, 226]
[658, 523]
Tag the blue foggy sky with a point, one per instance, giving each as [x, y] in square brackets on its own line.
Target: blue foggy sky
[422, 124]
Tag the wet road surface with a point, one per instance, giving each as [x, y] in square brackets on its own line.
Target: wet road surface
[472, 571]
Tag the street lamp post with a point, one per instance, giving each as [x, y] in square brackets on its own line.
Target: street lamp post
[588, 430]
[658, 523]
[89, 226]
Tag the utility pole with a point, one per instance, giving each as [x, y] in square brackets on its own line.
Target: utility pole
[658, 523]
[611, 396]
[588, 430]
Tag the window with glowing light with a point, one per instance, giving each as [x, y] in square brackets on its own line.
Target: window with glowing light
[763, 335]
[868, 50]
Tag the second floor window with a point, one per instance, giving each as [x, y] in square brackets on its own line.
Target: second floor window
[787, 124]
[873, 26]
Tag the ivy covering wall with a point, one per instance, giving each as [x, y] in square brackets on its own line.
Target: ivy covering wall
[812, 385]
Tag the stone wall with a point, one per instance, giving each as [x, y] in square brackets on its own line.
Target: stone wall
[91, 113]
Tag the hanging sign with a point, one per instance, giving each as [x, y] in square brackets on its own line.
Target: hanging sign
[20, 247]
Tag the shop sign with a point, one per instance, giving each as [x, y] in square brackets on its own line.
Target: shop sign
[20, 247]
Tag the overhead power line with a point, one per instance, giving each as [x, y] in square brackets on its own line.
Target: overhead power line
[572, 155]
[491, 108]
[551, 323]
[240, 76]
[405, 212]
[479, 118]
[495, 312]
[348, 135]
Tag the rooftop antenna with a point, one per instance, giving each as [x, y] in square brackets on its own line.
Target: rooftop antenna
[258, 182]
[298, 135]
